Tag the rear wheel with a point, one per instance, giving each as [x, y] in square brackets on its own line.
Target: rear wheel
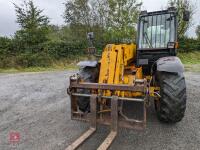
[87, 74]
[172, 105]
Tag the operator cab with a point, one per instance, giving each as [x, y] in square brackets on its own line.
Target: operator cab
[157, 36]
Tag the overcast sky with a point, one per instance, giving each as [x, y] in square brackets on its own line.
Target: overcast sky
[55, 8]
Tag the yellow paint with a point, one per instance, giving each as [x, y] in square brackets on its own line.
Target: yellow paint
[152, 91]
[117, 68]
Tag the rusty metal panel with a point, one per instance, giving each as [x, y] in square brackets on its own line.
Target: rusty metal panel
[108, 141]
[93, 111]
[114, 113]
[81, 139]
[112, 87]
[114, 125]
[91, 130]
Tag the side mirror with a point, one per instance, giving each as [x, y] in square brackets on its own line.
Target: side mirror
[186, 15]
[90, 36]
[144, 12]
[91, 49]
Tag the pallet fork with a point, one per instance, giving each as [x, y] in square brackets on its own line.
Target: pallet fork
[93, 125]
[116, 117]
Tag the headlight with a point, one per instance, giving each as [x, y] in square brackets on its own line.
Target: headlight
[171, 45]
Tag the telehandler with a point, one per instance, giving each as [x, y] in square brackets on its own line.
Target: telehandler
[117, 89]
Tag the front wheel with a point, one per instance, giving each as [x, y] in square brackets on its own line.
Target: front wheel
[90, 75]
[172, 105]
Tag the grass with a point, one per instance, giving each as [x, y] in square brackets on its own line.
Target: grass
[38, 69]
[191, 61]
[192, 68]
[56, 66]
[190, 57]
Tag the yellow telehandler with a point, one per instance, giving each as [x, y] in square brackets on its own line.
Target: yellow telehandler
[117, 89]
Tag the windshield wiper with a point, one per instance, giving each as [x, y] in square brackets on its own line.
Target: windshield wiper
[147, 39]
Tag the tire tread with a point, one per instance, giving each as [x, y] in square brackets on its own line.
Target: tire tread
[173, 97]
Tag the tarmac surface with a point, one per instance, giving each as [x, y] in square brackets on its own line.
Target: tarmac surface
[35, 108]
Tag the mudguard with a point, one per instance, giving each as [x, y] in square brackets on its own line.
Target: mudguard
[83, 64]
[170, 64]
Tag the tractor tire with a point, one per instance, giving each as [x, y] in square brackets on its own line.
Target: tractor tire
[87, 74]
[172, 105]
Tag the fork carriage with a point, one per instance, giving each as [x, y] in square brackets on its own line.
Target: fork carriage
[103, 113]
[109, 113]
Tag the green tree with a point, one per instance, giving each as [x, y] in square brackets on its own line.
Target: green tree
[5, 45]
[34, 26]
[181, 6]
[77, 11]
[111, 20]
[122, 19]
[198, 32]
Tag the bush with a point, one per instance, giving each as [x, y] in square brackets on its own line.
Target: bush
[34, 60]
[7, 62]
[14, 54]
[5, 45]
[189, 44]
[60, 50]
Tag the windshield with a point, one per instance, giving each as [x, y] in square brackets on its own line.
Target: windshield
[156, 31]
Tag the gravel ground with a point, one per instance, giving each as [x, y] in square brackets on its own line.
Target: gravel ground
[36, 105]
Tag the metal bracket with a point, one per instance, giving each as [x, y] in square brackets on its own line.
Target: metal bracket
[93, 118]
[91, 130]
[114, 125]
[114, 120]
